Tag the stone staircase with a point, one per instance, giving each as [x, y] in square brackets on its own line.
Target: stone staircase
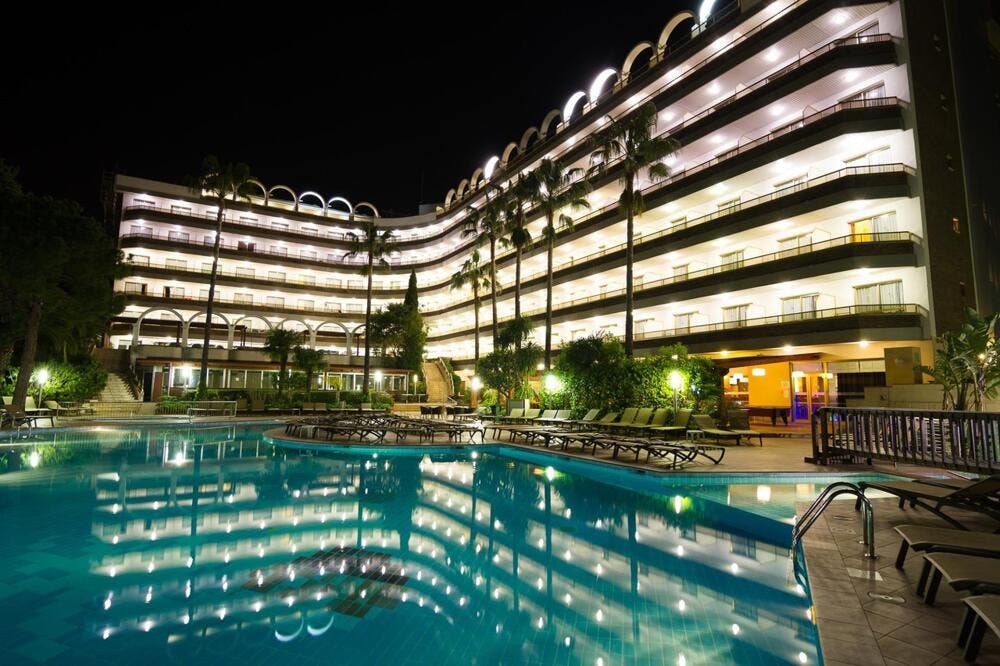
[116, 390]
[438, 380]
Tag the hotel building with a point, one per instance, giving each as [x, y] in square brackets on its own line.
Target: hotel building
[816, 225]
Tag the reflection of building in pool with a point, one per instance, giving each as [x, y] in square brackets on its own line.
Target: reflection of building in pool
[486, 539]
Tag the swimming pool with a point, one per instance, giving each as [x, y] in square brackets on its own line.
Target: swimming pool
[172, 544]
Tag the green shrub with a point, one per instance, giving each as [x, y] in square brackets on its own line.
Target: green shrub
[76, 381]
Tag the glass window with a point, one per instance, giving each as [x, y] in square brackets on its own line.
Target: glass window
[173, 292]
[796, 308]
[331, 306]
[308, 254]
[180, 210]
[732, 260]
[253, 379]
[734, 316]
[244, 298]
[139, 230]
[681, 272]
[682, 323]
[138, 259]
[334, 283]
[278, 250]
[279, 226]
[879, 297]
[309, 279]
[277, 276]
[182, 236]
[246, 246]
[135, 287]
[216, 378]
[181, 264]
[276, 301]
[730, 206]
[792, 245]
[237, 378]
[245, 272]
[307, 304]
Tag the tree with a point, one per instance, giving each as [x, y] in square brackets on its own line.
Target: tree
[553, 189]
[309, 361]
[477, 276]
[56, 277]
[411, 299]
[966, 362]
[487, 226]
[508, 367]
[628, 144]
[517, 233]
[221, 182]
[373, 244]
[278, 346]
[399, 330]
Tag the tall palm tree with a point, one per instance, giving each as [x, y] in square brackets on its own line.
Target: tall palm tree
[487, 224]
[553, 189]
[223, 183]
[477, 275]
[279, 345]
[373, 243]
[629, 144]
[516, 229]
[309, 361]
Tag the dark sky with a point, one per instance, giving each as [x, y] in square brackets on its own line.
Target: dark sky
[367, 104]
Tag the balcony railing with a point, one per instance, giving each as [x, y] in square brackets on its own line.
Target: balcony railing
[242, 304]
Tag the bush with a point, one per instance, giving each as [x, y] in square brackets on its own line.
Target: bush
[77, 381]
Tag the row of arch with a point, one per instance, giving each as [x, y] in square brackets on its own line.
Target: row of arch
[333, 204]
[349, 332]
[578, 103]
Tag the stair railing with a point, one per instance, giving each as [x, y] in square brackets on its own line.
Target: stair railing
[820, 504]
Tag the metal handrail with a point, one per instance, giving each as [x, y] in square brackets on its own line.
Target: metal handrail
[820, 504]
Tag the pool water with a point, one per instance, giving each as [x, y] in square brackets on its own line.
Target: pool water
[173, 544]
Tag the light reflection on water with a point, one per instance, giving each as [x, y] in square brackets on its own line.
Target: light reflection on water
[167, 544]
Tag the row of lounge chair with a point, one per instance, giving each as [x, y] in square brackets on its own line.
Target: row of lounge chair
[375, 427]
[962, 559]
[632, 421]
[641, 434]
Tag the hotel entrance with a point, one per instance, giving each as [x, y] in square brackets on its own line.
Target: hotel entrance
[811, 389]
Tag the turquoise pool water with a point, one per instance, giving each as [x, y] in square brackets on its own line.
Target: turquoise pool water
[173, 544]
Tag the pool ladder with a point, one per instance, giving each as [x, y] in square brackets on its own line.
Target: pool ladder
[831, 492]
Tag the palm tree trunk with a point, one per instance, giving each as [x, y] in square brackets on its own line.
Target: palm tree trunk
[475, 312]
[368, 318]
[206, 339]
[517, 283]
[629, 252]
[27, 356]
[550, 242]
[493, 285]
[283, 373]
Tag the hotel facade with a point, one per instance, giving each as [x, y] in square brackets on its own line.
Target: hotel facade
[814, 235]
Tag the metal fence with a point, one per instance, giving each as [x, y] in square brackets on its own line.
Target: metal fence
[953, 440]
[132, 408]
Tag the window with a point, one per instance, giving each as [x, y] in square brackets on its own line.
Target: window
[309, 279]
[875, 92]
[734, 316]
[206, 267]
[139, 230]
[682, 323]
[333, 283]
[276, 301]
[246, 245]
[203, 295]
[279, 226]
[798, 307]
[247, 219]
[731, 260]
[862, 230]
[681, 272]
[243, 298]
[644, 325]
[278, 250]
[138, 259]
[180, 264]
[308, 254]
[180, 210]
[244, 272]
[312, 231]
[871, 158]
[135, 287]
[794, 184]
[353, 307]
[331, 306]
[394, 284]
[577, 334]
[307, 304]
[866, 32]
[354, 284]
[879, 297]
[679, 223]
[730, 206]
[791, 246]
[173, 292]
[182, 236]
[787, 127]
[144, 203]
[277, 276]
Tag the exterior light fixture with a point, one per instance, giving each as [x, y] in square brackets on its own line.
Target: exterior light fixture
[758, 372]
[476, 383]
[552, 383]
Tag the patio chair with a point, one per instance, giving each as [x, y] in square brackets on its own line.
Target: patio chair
[641, 419]
[587, 419]
[628, 416]
[658, 420]
[961, 572]
[679, 425]
[981, 613]
[706, 424]
[945, 540]
[739, 422]
[59, 410]
[256, 405]
[980, 497]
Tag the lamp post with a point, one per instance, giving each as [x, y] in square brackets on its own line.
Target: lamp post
[476, 383]
[378, 380]
[676, 383]
[43, 376]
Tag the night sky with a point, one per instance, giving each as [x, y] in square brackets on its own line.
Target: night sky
[391, 105]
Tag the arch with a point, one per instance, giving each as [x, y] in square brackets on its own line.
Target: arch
[461, 188]
[474, 180]
[571, 105]
[159, 309]
[283, 188]
[333, 200]
[526, 139]
[204, 313]
[369, 206]
[260, 185]
[266, 321]
[330, 322]
[358, 329]
[550, 117]
[448, 198]
[137, 326]
[316, 195]
[630, 59]
[668, 29]
[281, 324]
[597, 87]
[508, 152]
[491, 166]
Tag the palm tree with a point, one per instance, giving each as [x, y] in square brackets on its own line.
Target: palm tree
[554, 189]
[517, 234]
[630, 144]
[309, 361]
[279, 346]
[487, 225]
[476, 275]
[222, 182]
[373, 243]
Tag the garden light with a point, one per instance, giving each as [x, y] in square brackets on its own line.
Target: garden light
[552, 383]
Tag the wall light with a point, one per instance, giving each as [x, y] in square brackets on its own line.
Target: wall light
[758, 372]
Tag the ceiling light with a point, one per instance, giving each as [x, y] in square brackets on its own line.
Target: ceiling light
[772, 54]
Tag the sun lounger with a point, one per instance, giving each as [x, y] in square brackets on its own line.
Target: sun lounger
[679, 425]
[980, 497]
[59, 410]
[587, 419]
[961, 572]
[641, 419]
[706, 424]
[560, 417]
[628, 416]
[981, 613]
[945, 540]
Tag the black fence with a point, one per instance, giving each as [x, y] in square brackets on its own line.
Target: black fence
[954, 440]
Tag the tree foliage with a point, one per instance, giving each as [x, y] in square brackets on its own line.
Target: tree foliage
[508, 367]
[398, 333]
[309, 361]
[278, 346]
[966, 362]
